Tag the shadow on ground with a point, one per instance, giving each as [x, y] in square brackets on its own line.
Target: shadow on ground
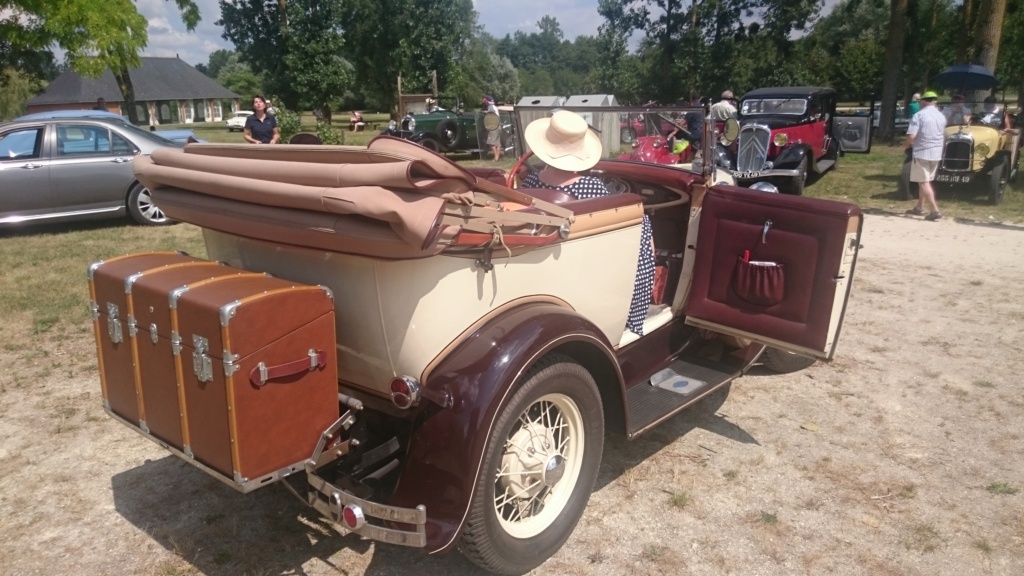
[219, 531]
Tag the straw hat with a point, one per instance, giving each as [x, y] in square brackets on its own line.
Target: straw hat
[564, 141]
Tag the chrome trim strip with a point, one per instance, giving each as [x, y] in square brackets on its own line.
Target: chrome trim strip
[338, 499]
[18, 219]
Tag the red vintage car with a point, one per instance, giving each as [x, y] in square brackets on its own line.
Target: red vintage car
[788, 134]
[430, 358]
[663, 138]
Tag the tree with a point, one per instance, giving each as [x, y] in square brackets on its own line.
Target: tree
[313, 43]
[95, 34]
[421, 36]
[892, 67]
[239, 77]
[218, 59]
[18, 88]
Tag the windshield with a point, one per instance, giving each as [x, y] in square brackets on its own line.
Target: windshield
[774, 106]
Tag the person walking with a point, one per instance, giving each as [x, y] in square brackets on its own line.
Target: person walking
[493, 134]
[925, 136]
[261, 127]
[724, 108]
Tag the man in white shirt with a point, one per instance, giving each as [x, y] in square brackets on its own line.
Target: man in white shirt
[925, 134]
[723, 109]
[493, 135]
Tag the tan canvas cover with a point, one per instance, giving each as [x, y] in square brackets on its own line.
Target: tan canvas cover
[393, 199]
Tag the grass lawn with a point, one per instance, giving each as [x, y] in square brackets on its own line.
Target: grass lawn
[870, 181]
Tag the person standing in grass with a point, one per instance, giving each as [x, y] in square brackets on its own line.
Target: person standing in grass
[925, 136]
[261, 127]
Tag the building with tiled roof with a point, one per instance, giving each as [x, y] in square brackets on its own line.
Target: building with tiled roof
[167, 91]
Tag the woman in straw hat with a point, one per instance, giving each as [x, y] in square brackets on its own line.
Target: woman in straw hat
[567, 147]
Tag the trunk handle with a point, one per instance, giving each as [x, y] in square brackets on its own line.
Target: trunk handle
[260, 374]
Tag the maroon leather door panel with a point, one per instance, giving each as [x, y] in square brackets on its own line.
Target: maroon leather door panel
[798, 247]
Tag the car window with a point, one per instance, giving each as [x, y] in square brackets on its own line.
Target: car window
[21, 144]
[120, 146]
[82, 140]
[784, 106]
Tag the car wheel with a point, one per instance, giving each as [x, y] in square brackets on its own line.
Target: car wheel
[430, 144]
[628, 136]
[784, 362]
[142, 209]
[797, 183]
[997, 181]
[448, 133]
[907, 189]
[539, 468]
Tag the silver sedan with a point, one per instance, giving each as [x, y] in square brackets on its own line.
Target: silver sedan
[59, 170]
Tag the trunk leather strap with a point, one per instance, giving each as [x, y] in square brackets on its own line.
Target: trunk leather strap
[261, 374]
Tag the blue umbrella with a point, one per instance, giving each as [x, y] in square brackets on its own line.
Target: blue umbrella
[966, 77]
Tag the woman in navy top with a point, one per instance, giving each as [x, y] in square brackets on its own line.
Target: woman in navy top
[261, 127]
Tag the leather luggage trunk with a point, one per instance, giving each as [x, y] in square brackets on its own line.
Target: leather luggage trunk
[257, 367]
[110, 288]
[154, 296]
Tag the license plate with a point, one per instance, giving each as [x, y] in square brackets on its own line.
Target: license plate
[748, 174]
[953, 178]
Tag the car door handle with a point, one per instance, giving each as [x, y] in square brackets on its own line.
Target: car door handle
[119, 160]
[32, 166]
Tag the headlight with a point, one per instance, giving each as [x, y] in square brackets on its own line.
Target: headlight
[982, 150]
[722, 157]
[412, 124]
[780, 139]
[392, 125]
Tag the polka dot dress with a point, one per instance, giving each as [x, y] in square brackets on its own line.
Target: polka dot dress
[591, 187]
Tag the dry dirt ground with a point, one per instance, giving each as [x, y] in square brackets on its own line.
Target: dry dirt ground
[900, 457]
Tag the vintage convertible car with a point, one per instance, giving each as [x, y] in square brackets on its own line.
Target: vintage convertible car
[448, 127]
[979, 156]
[434, 357]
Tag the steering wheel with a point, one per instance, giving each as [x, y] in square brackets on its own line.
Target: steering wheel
[512, 180]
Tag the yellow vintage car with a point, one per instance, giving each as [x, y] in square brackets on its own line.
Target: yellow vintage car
[981, 152]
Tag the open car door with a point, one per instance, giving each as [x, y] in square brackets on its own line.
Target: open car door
[773, 268]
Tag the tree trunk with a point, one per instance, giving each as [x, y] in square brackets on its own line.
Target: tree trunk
[124, 82]
[964, 41]
[989, 33]
[893, 64]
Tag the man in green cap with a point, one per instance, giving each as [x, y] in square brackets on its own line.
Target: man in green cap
[925, 135]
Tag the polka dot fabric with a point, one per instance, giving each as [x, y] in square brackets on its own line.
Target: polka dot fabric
[591, 187]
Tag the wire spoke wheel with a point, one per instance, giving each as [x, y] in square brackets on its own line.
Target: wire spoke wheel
[539, 467]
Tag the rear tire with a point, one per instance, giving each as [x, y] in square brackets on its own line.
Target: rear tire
[538, 471]
[783, 362]
[142, 209]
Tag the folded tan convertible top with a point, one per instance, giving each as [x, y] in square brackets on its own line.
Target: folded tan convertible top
[387, 200]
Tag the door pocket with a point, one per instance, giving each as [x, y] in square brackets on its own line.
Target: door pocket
[759, 283]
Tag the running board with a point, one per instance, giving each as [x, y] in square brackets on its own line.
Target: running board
[682, 384]
[824, 165]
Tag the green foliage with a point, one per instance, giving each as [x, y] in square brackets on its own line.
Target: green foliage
[328, 134]
[238, 77]
[18, 88]
[313, 52]
[289, 123]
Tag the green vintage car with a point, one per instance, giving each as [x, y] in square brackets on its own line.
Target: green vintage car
[448, 127]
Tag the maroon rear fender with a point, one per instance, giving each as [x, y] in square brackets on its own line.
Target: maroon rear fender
[447, 445]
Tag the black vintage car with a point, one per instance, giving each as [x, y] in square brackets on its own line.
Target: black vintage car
[788, 133]
[448, 127]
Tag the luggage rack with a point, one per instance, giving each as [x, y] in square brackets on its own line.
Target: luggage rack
[349, 506]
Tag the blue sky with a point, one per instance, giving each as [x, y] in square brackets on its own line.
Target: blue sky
[167, 35]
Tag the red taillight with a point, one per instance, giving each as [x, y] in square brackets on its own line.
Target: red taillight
[405, 392]
[353, 517]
